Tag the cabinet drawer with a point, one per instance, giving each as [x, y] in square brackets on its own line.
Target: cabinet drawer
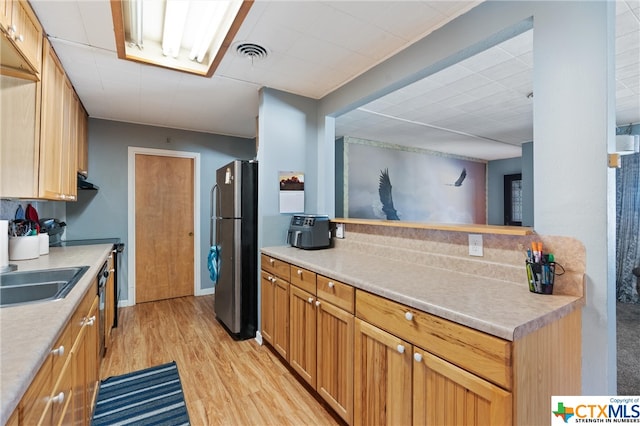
[335, 292]
[485, 355]
[303, 278]
[61, 396]
[275, 266]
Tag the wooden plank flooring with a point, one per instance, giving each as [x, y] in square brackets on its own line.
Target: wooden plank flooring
[225, 382]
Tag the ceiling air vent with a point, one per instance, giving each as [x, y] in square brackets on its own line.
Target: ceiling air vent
[251, 50]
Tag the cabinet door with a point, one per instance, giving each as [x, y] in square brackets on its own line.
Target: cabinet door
[267, 311]
[20, 136]
[335, 358]
[69, 143]
[53, 85]
[92, 351]
[382, 377]
[281, 317]
[78, 390]
[28, 33]
[302, 331]
[83, 141]
[444, 394]
[5, 14]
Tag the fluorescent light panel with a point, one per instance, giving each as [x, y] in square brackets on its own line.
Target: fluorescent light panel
[187, 35]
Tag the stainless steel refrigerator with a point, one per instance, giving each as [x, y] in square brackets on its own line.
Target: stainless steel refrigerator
[235, 196]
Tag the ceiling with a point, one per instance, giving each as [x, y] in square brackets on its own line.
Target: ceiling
[314, 48]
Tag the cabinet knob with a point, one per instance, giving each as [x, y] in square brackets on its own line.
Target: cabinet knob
[12, 28]
[331, 284]
[299, 272]
[408, 316]
[90, 321]
[58, 399]
[310, 300]
[19, 38]
[271, 261]
[59, 351]
[417, 357]
[400, 349]
[317, 303]
[112, 270]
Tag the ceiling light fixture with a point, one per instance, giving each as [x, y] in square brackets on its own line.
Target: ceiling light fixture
[185, 35]
[175, 17]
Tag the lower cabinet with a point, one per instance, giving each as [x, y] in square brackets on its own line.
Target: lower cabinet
[379, 362]
[444, 394]
[302, 334]
[64, 389]
[382, 377]
[274, 307]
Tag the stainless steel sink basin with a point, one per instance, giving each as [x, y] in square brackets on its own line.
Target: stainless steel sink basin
[38, 286]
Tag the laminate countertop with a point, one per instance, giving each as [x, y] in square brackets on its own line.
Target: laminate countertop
[503, 309]
[28, 332]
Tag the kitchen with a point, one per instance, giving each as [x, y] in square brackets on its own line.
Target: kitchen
[107, 163]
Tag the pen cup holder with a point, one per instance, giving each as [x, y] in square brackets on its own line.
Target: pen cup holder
[540, 276]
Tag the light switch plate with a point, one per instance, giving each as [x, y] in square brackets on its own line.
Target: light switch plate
[339, 230]
[475, 245]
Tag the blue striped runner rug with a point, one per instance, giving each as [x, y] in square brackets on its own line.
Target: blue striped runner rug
[152, 396]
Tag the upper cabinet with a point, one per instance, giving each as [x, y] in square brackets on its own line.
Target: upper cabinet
[43, 126]
[21, 44]
[58, 142]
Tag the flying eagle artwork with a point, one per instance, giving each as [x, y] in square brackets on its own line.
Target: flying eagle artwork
[384, 189]
[460, 179]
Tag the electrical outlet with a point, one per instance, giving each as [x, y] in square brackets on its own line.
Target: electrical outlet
[339, 230]
[475, 245]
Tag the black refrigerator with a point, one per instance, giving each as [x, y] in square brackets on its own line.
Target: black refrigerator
[236, 236]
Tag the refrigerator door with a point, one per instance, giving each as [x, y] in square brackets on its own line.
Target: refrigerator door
[228, 289]
[229, 182]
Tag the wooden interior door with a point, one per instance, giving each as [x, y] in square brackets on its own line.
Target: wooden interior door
[164, 227]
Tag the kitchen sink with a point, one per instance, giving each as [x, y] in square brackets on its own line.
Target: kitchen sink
[38, 286]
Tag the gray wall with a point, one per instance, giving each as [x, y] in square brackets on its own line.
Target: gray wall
[103, 213]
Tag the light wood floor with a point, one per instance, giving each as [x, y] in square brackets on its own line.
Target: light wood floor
[225, 381]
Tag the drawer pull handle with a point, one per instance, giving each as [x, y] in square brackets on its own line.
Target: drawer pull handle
[331, 284]
[19, 38]
[90, 321]
[58, 399]
[400, 349]
[317, 303]
[299, 272]
[59, 351]
[271, 261]
[417, 357]
[310, 300]
[408, 316]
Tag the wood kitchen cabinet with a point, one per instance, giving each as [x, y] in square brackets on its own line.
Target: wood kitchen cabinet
[64, 389]
[382, 377]
[444, 394]
[19, 136]
[22, 37]
[274, 286]
[335, 340]
[58, 143]
[302, 325]
[82, 139]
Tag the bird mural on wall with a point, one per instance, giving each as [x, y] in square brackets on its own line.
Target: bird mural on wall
[386, 198]
[458, 182]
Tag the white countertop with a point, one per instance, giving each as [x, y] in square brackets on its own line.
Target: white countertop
[27, 332]
[504, 309]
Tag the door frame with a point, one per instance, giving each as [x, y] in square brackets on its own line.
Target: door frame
[131, 214]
